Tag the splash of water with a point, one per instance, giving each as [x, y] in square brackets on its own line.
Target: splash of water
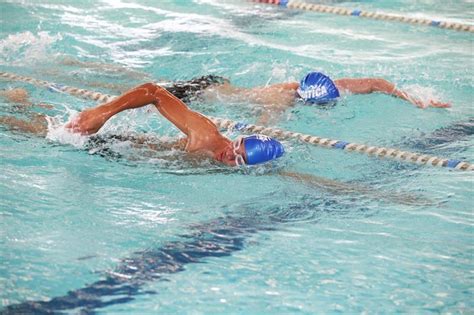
[26, 48]
[57, 131]
[422, 93]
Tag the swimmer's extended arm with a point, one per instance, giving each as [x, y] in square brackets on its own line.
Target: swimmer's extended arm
[91, 120]
[371, 85]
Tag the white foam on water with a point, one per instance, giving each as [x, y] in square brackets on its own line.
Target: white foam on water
[58, 133]
[242, 8]
[206, 25]
[26, 48]
[422, 93]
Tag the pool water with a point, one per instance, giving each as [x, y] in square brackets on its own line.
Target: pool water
[145, 233]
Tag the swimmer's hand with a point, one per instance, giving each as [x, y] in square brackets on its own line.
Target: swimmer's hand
[438, 104]
[419, 102]
[432, 103]
[88, 121]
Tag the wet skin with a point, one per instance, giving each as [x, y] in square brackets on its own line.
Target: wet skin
[203, 137]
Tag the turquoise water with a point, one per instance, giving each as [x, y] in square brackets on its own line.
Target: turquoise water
[145, 234]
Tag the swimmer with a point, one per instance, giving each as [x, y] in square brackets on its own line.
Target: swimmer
[21, 97]
[202, 136]
[315, 89]
[203, 139]
[35, 124]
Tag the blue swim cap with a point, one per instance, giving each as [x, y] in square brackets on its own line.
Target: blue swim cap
[260, 149]
[317, 88]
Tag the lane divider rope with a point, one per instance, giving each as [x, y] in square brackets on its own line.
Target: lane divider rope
[296, 4]
[381, 152]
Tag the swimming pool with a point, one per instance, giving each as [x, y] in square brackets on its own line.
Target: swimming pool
[145, 234]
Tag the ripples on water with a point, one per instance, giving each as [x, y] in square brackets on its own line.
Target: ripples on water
[149, 229]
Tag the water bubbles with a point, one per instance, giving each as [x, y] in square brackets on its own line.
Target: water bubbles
[57, 131]
[420, 93]
[26, 48]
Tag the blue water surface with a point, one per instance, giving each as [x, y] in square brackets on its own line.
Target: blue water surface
[139, 232]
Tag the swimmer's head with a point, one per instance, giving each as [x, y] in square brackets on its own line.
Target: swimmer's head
[317, 88]
[252, 150]
[188, 90]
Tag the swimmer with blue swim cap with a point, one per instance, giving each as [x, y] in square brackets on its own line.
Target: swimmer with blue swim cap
[257, 149]
[203, 137]
[315, 88]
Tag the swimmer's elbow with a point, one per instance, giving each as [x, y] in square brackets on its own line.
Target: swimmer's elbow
[150, 87]
[381, 85]
[157, 91]
[153, 88]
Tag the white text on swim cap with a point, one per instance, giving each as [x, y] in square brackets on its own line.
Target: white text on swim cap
[314, 91]
[263, 138]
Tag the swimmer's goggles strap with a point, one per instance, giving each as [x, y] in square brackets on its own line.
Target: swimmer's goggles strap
[239, 159]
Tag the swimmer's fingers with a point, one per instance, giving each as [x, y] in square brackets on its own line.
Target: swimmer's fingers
[70, 124]
[414, 100]
[87, 122]
[77, 129]
[425, 104]
[432, 103]
[418, 103]
[74, 122]
[75, 126]
[439, 104]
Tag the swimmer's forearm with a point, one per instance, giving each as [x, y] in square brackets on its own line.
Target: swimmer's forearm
[372, 85]
[138, 97]
[386, 87]
[366, 86]
[91, 120]
[418, 102]
[135, 98]
[390, 89]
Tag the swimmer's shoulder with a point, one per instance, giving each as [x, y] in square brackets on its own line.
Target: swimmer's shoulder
[288, 85]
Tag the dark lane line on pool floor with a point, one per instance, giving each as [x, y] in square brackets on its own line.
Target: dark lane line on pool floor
[216, 238]
[457, 131]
